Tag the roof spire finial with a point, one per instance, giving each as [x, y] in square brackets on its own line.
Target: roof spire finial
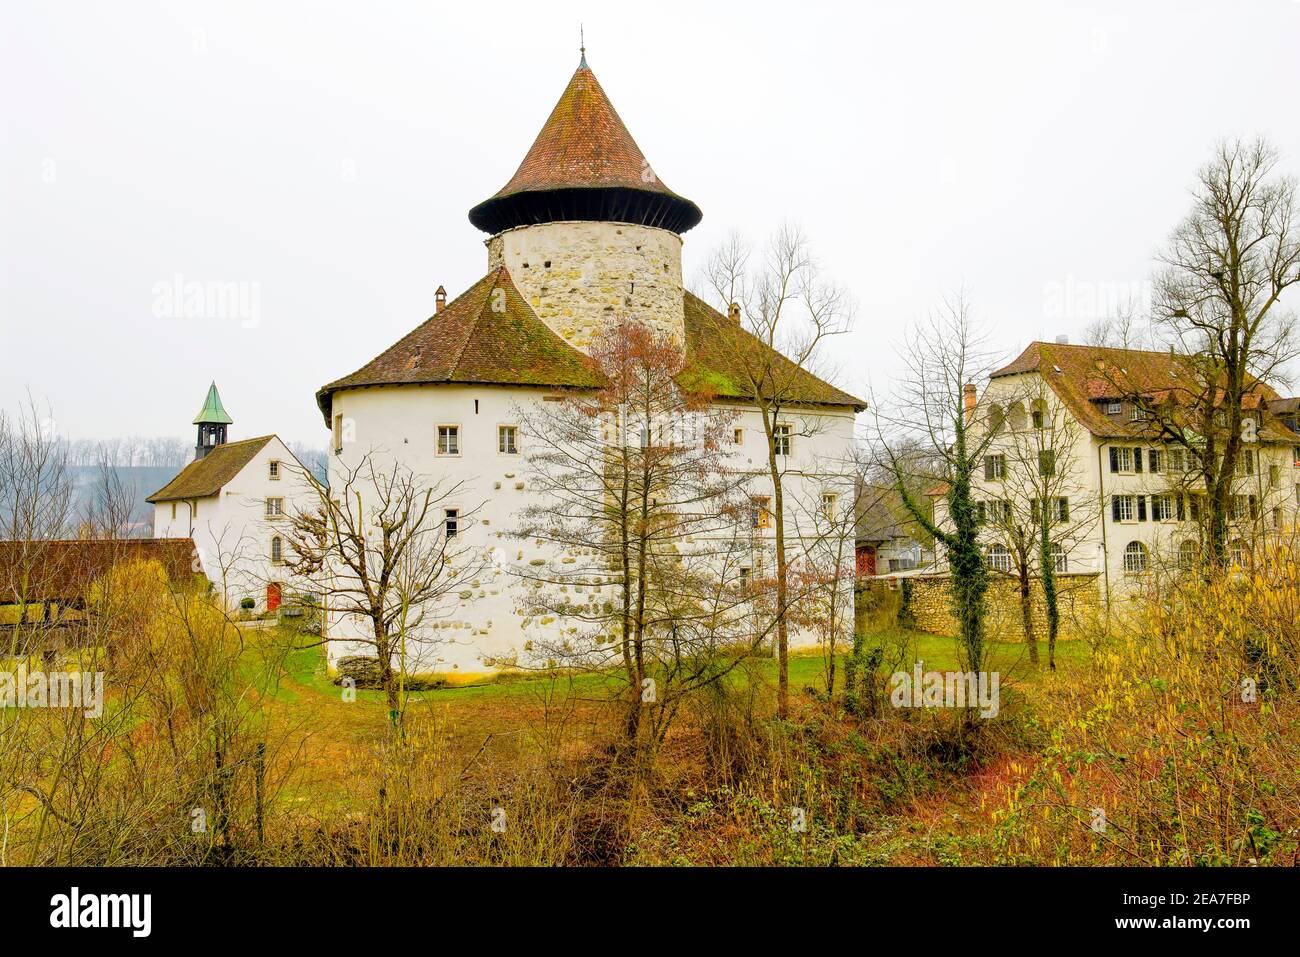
[582, 48]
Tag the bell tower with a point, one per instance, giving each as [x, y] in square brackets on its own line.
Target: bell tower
[212, 421]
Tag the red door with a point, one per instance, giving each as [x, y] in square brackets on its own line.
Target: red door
[272, 596]
[866, 560]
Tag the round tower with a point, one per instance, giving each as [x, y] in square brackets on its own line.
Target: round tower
[587, 230]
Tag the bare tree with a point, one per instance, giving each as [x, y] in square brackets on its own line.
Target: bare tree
[942, 357]
[1218, 295]
[647, 525]
[791, 309]
[379, 542]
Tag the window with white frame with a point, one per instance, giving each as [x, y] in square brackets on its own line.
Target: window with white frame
[508, 439]
[1124, 508]
[1246, 462]
[449, 440]
[1175, 460]
[273, 470]
[1121, 458]
[1114, 408]
[782, 439]
[274, 507]
[1056, 551]
[828, 505]
[277, 550]
[1135, 558]
[995, 467]
[1163, 508]
[999, 557]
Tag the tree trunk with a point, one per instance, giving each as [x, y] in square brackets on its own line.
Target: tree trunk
[1049, 598]
[1027, 613]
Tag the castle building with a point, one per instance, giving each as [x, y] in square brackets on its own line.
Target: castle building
[583, 236]
[233, 500]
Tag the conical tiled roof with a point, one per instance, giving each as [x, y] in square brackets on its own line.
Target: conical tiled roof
[584, 164]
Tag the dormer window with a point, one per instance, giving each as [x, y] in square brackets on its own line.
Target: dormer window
[1114, 408]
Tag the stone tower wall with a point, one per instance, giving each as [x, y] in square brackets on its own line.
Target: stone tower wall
[580, 277]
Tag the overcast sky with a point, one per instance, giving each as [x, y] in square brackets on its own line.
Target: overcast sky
[324, 156]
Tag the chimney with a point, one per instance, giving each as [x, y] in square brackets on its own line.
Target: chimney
[1062, 340]
[733, 312]
[968, 400]
[440, 300]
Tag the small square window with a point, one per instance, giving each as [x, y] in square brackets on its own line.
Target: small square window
[508, 440]
[1114, 408]
[449, 440]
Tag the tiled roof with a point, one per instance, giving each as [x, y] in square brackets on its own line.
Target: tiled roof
[726, 358]
[472, 342]
[63, 569]
[1081, 375]
[208, 475]
[585, 146]
[479, 337]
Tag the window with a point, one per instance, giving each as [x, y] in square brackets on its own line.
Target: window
[1135, 558]
[1296, 457]
[452, 522]
[1277, 516]
[746, 578]
[1274, 476]
[277, 550]
[1175, 460]
[1061, 512]
[1121, 459]
[1237, 552]
[999, 557]
[338, 434]
[738, 437]
[1162, 508]
[1046, 462]
[781, 439]
[995, 467]
[1246, 462]
[828, 506]
[1114, 408]
[1057, 553]
[274, 507]
[1188, 553]
[194, 509]
[760, 517]
[1155, 461]
[273, 470]
[449, 440]
[997, 419]
[174, 507]
[1123, 508]
[508, 439]
[1242, 507]
[1037, 418]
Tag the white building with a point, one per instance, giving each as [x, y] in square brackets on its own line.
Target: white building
[584, 235]
[1128, 501]
[232, 500]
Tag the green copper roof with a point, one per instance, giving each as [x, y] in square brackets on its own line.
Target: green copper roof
[213, 410]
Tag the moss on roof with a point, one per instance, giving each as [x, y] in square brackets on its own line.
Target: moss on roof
[208, 475]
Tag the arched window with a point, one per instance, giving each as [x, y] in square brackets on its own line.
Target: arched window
[999, 557]
[1135, 558]
[277, 549]
[1039, 415]
[1056, 551]
[1017, 420]
[996, 419]
[1188, 554]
